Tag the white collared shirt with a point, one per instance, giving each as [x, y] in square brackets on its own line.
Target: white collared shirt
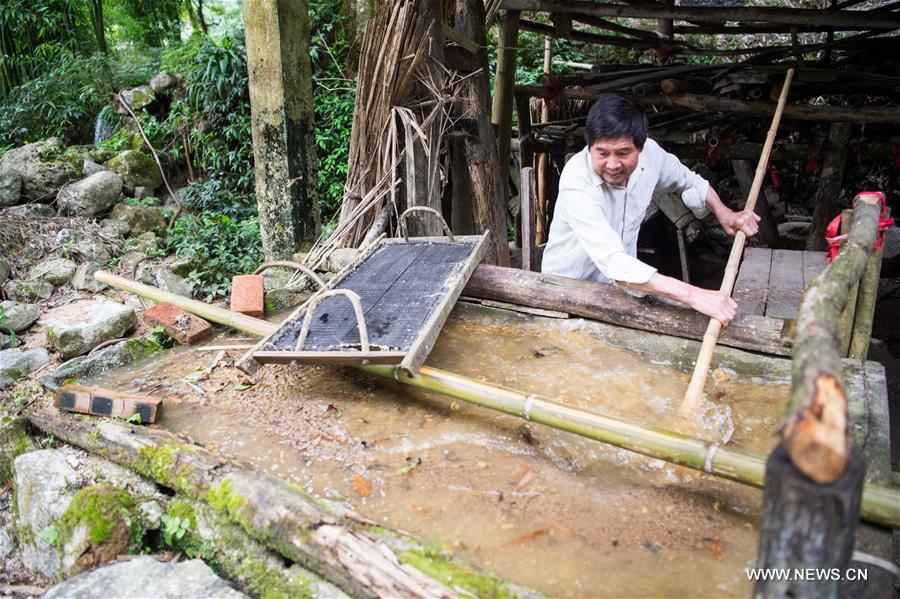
[595, 225]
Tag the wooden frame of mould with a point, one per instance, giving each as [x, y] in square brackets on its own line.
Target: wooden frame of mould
[409, 360]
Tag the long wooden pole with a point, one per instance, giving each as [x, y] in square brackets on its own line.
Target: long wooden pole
[694, 393]
[879, 504]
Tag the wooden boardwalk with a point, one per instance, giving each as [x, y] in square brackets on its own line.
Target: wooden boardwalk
[771, 282]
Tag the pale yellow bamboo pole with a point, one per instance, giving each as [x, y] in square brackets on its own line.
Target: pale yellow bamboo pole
[692, 398]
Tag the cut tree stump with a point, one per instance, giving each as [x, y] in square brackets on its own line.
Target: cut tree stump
[807, 526]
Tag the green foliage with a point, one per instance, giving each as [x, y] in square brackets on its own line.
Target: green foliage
[211, 195]
[173, 528]
[331, 51]
[182, 58]
[219, 245]
[49, 534]
[159, 335]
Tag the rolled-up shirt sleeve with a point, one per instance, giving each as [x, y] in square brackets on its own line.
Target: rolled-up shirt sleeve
[675, 177]
[601, 242]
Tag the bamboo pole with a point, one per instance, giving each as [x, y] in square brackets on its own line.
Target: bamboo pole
[879, 504]
[694, 394]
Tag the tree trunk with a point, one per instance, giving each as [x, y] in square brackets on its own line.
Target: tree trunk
[281, 107]
[504, 83]
[827, 200]
[481, 152]
[96, 8]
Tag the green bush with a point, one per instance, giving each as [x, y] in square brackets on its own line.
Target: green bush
[210, 195]
[219, 246]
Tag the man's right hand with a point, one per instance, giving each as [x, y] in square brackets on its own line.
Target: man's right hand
[714, 304]
[710, 302]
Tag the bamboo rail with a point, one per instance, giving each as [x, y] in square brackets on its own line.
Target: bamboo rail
[879, 504]
[695, 390]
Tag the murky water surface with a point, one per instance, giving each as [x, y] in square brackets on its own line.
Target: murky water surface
[564, 515]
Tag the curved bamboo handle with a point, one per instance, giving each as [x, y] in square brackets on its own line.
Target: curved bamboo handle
[357, 309]
[295, 265]
[423, 209]
[692, 398]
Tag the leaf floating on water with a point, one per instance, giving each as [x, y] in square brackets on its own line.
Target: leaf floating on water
[195, 376]
[528, 536]
[411, 464]
[529, 475]
[362, 486]
[716, 548]
[241, 386]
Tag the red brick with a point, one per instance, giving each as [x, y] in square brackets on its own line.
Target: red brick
[106, 402]
[248, 295]
[181, 326]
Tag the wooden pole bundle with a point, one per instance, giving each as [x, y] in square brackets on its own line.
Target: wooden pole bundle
[692, 398]
[879, 505]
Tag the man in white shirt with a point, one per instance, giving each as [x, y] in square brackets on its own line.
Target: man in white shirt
[604, 191]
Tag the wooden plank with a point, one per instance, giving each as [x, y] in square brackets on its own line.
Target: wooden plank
[752, 286]
[330, 357]
[785, 284]
[608, 303]
[813, 264]
[420, 349]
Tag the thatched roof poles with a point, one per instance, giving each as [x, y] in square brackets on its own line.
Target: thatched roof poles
[705, 104]
[787, 16]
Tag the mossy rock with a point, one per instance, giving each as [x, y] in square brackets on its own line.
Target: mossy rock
[121, 354]
[14, 441]
[101, 523]
[136, 169]
[101, 155]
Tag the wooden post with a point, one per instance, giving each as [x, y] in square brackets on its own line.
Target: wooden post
[827, 198]
[504, 84]
[281, 107]
[526, 211]
[844, 327]
[543, 157]
[866, 298]
[807, 526]
[481, 148]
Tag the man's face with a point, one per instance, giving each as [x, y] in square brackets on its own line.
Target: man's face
[614, 159]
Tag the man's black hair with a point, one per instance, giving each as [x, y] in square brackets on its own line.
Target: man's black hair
[614, 116]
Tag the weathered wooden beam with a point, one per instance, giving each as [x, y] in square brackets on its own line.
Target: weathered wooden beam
[608, 303]
[786, 16]
[816, 429]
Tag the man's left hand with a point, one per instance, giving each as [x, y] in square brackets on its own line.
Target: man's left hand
[745, 220]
